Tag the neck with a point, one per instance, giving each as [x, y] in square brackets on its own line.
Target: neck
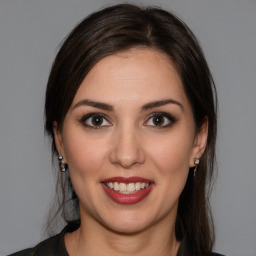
[156, 240]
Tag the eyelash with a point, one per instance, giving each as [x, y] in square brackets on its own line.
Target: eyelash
[91, 115]
[170, 119]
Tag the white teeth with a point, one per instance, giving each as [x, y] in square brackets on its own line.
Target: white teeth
[127, 188]
[131, 187]
[122, 187]
[137, 186]
[116, 186]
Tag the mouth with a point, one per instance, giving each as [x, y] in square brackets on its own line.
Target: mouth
[127, 190]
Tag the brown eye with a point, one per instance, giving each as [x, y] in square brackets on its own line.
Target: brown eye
[158, 120]
[95, 120]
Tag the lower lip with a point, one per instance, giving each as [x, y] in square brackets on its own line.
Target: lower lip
[127, 198]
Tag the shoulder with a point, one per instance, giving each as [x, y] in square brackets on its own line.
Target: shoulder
[216, 254]
[52, 246]
[27, 252]
[49, 247]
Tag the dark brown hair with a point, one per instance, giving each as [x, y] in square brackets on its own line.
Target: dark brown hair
[119, 28]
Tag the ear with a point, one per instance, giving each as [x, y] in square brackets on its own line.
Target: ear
[200, 142]
[58, 140]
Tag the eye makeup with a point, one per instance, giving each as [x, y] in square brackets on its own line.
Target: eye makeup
[95, 121]
[160, 120]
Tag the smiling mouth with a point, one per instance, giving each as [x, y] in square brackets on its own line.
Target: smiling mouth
[130, 190]
[127, 188]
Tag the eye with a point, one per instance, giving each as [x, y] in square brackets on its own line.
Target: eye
[95, 120]
[160, 120]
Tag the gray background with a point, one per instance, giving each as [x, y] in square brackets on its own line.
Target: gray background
[30, 31]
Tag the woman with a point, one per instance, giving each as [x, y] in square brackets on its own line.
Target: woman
[130, 108]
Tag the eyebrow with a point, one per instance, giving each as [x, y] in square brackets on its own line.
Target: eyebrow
[107, 107]
[94, 104]
[160, 103]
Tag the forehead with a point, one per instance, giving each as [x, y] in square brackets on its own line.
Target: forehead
[135, 75]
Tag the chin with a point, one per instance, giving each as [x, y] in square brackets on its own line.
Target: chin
[128, 224]
[129, 229]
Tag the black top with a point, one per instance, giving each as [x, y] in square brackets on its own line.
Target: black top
[55, 246]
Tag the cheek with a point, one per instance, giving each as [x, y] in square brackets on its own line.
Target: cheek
[85, 158]
[171, 155]
[84, 154]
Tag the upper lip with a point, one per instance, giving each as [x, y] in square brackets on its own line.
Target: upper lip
[127, 180]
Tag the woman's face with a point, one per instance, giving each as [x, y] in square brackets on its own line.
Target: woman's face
[129, 140]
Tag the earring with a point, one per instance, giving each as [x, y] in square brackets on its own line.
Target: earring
[62, 165]
[196, 162]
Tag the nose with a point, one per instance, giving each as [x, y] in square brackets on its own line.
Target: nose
[127, 148]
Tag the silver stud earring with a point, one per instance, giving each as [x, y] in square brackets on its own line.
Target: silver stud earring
[196, 162]
[62, 165]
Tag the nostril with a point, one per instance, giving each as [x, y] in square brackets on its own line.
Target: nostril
[127, 161]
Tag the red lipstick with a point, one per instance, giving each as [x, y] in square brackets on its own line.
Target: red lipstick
[131, 198]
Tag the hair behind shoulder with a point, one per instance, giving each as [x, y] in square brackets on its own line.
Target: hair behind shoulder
[119, 28]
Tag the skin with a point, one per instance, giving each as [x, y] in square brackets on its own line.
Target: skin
[129, 142]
